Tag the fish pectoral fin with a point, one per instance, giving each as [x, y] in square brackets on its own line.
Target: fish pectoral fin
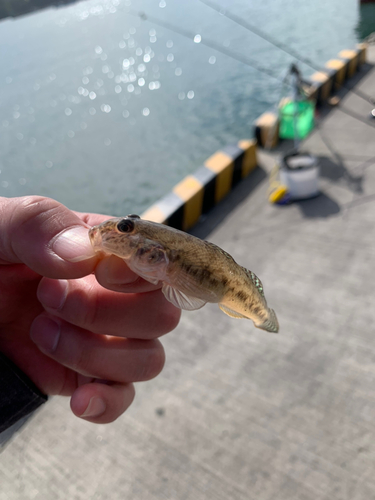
[231, 313]
[150, 279]
[154, 281]
[180, 299]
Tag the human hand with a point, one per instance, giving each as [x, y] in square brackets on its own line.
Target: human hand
[68, 334]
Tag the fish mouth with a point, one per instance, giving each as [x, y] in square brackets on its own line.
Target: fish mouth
[96, 238]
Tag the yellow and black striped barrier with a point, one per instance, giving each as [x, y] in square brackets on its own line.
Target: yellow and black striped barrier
[196, 194]
[319, 87]
[335, 73]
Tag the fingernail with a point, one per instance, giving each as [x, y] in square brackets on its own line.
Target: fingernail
[73, 244]
[45, 332]
[95, 408]
[52, 293]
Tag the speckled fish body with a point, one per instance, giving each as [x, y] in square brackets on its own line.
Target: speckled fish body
[192, 271]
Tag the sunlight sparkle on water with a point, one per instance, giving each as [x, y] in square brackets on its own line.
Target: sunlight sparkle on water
[106, 108]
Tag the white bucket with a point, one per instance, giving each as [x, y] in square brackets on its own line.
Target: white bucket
[300, 173]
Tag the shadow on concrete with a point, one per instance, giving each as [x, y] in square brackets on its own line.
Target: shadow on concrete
[336, 171]
[319, 207]
[214, 217]
[323, 205]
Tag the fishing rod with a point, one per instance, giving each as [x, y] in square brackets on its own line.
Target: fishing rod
[276, 43]
[248, 61]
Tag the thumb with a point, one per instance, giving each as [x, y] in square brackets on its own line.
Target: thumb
[46, 236]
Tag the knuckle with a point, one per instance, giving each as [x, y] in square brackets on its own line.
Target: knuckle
[31, 207]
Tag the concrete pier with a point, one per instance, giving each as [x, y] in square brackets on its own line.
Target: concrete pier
[238, 413]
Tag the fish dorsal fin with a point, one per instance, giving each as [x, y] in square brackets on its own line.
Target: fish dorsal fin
[256, 281]
[180, 299]
[231, 313]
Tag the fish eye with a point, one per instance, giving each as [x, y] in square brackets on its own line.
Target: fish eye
[125, 226]
[133, 216]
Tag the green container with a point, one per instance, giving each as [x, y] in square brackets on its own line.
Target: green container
[304, 121]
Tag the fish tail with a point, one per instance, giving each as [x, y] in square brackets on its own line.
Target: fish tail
[270, 324]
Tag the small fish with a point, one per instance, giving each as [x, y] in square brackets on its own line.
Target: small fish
[192, 271]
